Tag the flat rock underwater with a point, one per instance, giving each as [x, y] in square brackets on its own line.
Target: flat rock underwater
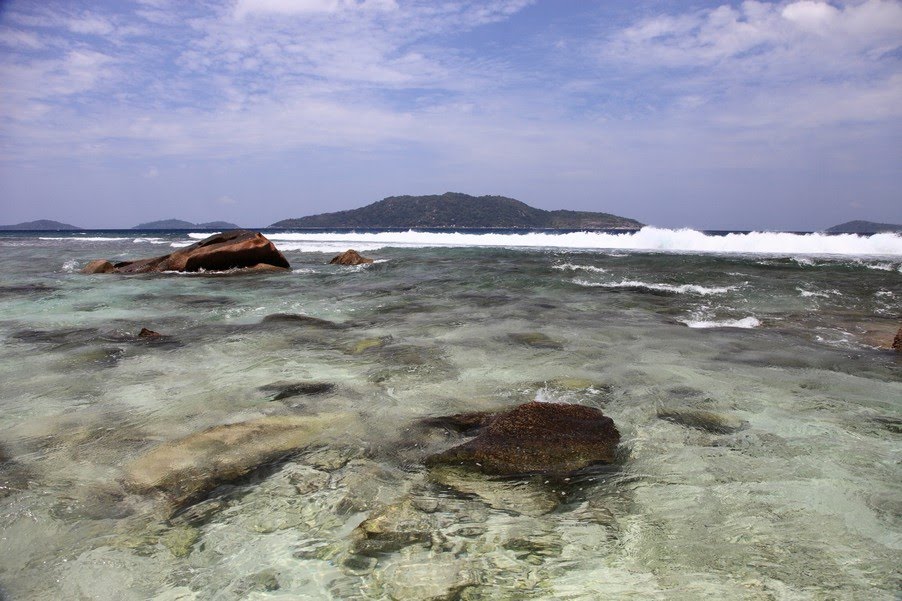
[462, 418]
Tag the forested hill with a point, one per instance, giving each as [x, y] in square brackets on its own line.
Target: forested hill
[457, 210]
[864, 227]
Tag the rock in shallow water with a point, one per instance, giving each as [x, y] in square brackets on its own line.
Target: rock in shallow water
[707, 421]
[237, 249]
[285, 390]
[391, 528]
[185, 469]
[545, 438]
[350, 257]
[536, 340]
[897, 341]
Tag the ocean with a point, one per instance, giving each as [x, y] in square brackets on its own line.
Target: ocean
[749, 375]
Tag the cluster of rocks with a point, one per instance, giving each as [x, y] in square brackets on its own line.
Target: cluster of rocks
[237, 250]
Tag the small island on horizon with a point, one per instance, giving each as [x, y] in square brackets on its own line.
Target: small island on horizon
[451, 210]
[179, 224]
[457, 210]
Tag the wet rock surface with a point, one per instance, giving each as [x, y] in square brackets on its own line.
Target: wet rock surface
[391, 528]
[350, 257]
[285, 390]
[185, 469]
[897, 341]
[546, 438]
[300, 320]
[536, 340]
[708, 421]
[234, 250]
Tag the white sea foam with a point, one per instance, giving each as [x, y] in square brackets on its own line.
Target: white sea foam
[674, 288]
[84, 238]
[646, 239]
[745, 323]
[572, 267]
[817, 294]
[70, 266]
[150, 241]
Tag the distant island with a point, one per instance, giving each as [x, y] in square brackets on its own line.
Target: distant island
[41, 224]
[863, 227]
[178, 224]
[457, 210]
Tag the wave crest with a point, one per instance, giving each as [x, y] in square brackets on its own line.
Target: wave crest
[647, 239]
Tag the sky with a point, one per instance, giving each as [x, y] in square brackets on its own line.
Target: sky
[713, 115]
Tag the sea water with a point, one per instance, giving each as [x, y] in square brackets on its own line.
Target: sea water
[788, 487]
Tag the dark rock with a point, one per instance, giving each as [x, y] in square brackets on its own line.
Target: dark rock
[26, 289]
[707, 421]
[546, 438]
[145, 333]
[897, 341]
[238, 249]
[300, 320]
[350, 257]
[463, 423]
[287, 390]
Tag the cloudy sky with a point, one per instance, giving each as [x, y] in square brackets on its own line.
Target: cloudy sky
[724, 115]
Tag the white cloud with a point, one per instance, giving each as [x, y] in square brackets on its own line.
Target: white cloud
[809, 14]
[305, 7]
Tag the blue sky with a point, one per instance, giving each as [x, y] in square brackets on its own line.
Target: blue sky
[732, 115]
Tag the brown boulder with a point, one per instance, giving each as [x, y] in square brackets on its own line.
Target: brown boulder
[897, 341]
[145, 333]
[237, 249]
[349, 257]
[99, 266]
[545, 438]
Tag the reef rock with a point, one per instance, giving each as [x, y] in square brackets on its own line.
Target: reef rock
[237, 249]
[145, 333]
[183, 470]
[350, 257]
[707, 421]
[391, 528]
[544, 438]
[897, 341]
[284, 390]
[536, 340]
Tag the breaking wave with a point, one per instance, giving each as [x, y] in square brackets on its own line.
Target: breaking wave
[745, 323]
[671, 288]
[647, 239]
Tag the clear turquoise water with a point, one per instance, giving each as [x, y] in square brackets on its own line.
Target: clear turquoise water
[802, 502]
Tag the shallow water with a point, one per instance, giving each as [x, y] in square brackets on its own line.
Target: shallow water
[797, 496]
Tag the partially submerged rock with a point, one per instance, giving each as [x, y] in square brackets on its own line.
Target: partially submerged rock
[145, 333]
[300, 320]
[545, 438]
[184, 470]
[391, 528]
[350, 257]
[536, 340]
[284, 390]
[897, 341]
[99, 266]
[699, 419]
[235, 250]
